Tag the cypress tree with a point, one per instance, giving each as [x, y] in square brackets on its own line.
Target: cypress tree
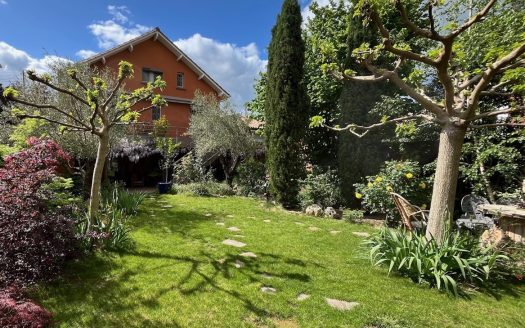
[286, 110]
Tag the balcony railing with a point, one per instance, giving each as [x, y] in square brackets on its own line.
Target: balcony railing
[176, 132]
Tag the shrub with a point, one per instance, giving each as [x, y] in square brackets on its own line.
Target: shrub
[35, 239]
[118, 197]
[251, 178]
[405, 178]
[17, 311]
[190, 170]
[320, 188]
[459, 259]
[353, 215]
[205, 189]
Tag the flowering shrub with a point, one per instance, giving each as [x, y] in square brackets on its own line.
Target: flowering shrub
[405, 178]
[18, 311]
[321, 188]
[34, 238]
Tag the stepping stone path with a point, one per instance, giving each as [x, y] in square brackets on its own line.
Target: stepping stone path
[299, 223]
[251, 217]
[266, 276]
[248, 254]
[234, 229]
[166, 206]
[341, 305]
[314, 229]
[268, 290]
[238, 236]
[361, 234]
[238, 264]
[267, 221]
[234, 243]
[229, 216]
[220, 223]
[335, 232]
[302, 297]
[208, 214]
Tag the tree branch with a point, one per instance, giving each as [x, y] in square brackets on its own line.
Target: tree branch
[493, 125]
[429, 34]
[54, 121]
[474, 19]
[500, 112]
[33, 77]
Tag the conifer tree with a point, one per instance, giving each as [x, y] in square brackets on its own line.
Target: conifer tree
[286, 107]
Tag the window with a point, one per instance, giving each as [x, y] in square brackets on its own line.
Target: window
[155, 113]
[180, 80]
[149, 75]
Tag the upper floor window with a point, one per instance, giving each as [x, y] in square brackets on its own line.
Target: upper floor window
[149, 75]
[180, 80]
[155, 113]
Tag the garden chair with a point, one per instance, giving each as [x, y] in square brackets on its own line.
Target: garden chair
[473, 217]
[413, 217]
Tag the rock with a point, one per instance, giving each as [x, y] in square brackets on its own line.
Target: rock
[234, 243]
[266, 276]
[229, 216]
[234, 229]
[220, 223]
[314, 229]
[208, 214]
[333, 213]
[492, 237]
[299, 223]
[238, 264]
[335, 232]
[361, 234]
[302, 297]
[248, 254]
[267, 221]
[238, 236]
[268, 290]
[341, 305]
[314, 210]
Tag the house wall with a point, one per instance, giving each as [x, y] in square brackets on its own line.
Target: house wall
[154, 55]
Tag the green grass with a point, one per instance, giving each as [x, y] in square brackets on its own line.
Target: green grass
[180, 275]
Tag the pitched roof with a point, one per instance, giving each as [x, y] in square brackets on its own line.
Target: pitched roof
[157, 35]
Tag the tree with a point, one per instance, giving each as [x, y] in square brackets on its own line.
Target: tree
[456, 105]
[219, 132]
[82, 99]
[286, 105]
[255, 107]
[165, 145]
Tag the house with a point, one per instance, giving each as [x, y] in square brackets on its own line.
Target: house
[154, 54]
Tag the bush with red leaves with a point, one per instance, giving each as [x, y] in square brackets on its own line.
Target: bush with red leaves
[34, 239]
[16, 311]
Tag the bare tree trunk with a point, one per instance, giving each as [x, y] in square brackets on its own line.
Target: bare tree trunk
[96, 183]
[451, 142]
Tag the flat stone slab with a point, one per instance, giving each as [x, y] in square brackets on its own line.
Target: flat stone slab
[234, 229]
[313, 228]
[208, 214]
[341, 305]
[299, 223]
[252, 217]
[166, 206]
[268, 290]
[335, 232]
[220, 223]
[361, 234]
[248, 254]
[234, 243]
[266, 276]
[267, 221]
[302, 297]
[238, 264]
[229, 216]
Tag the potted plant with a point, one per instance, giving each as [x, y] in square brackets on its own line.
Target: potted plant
[167, 147]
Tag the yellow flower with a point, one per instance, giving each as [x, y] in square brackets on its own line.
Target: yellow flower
[424, 206]
[370, 185]
[358, 195]
[389, 189]
[423, 185]
[409, 175]
[379, 179]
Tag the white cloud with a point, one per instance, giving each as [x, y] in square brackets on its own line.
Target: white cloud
[109, 33]
[3, 2]
[307, 13]
[233, 67]
[85, 53]
[119, 13]
[15, 61]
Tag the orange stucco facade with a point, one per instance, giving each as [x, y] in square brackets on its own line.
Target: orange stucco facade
[154, 55]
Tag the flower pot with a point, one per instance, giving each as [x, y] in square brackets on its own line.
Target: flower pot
[164, 187]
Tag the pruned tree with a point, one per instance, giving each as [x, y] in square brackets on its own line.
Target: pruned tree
[219, 132]
[462, 86]
[165, 145]
[82, 99]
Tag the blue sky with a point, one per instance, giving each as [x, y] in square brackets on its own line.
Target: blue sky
[228, 38]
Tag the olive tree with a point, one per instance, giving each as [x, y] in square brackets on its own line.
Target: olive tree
[220, 132]
[494, 28]
[82, 99]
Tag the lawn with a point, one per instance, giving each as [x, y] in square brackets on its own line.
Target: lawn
[181, 275]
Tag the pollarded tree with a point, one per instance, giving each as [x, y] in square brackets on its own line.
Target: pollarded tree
[462, 86]
[219, 132]
[286, 106]
[82, 99]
